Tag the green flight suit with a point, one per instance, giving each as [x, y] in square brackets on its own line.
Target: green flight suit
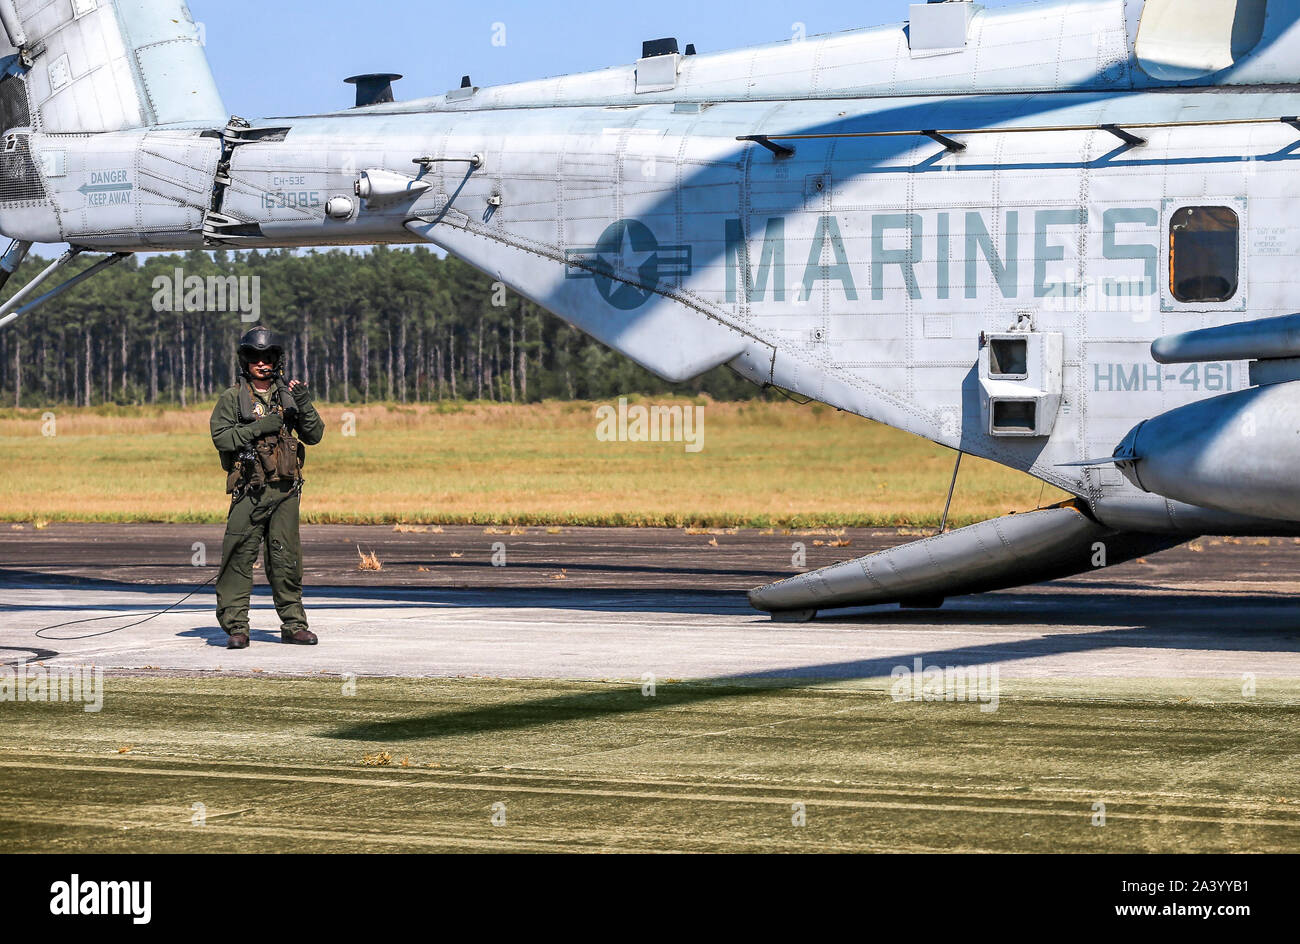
[266, 515]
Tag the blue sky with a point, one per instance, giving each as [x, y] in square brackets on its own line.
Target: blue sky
[282, 57]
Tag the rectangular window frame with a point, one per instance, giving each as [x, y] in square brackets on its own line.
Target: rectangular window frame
[1239, 301]
[1015, 428]
[1012, 375]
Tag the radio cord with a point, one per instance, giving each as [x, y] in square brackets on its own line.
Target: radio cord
[40, 633]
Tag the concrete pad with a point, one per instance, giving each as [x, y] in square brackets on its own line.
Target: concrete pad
[635, 602]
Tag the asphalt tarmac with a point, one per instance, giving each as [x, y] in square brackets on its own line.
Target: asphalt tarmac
[597, 604]
[612, 690]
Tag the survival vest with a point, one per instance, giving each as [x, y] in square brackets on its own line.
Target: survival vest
[272, 459]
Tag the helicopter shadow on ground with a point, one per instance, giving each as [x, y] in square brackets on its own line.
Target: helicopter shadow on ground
[1186, 622]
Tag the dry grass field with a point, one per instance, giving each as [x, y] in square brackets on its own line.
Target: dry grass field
[423, 765]
[762, 464]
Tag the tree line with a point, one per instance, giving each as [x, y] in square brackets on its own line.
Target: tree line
[394, 325]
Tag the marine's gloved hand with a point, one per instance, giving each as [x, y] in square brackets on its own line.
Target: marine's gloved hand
[301, 394]
[268, 425]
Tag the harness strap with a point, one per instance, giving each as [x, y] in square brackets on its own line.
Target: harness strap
[246, 414]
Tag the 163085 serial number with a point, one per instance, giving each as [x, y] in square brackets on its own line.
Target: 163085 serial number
[292, 200]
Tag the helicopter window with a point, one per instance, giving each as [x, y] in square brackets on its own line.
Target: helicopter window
[1015, 416]
[1204, 254]
[1009, 357]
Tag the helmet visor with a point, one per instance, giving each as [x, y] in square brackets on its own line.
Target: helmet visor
[270, 356]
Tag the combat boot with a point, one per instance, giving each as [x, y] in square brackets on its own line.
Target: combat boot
[302, 637]
[237, 641]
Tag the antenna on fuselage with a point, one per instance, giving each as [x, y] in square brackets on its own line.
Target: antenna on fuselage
[375, 88]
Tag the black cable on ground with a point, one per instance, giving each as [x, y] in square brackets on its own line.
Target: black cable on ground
[40, 633]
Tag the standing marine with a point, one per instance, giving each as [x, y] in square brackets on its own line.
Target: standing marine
[260, 427]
